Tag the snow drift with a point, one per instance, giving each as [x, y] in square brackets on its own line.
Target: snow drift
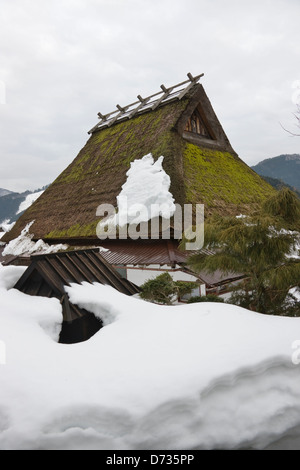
[198, 376]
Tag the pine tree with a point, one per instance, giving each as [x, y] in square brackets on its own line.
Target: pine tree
[164, 290]
[264, 247]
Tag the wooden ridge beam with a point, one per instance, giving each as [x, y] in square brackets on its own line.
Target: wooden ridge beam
[108, 120]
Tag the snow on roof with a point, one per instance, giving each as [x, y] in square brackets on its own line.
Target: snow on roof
[23, 244]
[145, 194]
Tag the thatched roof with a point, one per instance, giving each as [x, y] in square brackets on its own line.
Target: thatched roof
[203, 168]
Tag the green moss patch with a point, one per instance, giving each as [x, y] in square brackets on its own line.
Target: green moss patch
[76, 231]
[221, 181]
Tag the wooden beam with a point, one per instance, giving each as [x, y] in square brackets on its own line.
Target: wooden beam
[123, 110]
[163, 97]
[102, 116]
[138, 108]
[107, 120]
[193, 81]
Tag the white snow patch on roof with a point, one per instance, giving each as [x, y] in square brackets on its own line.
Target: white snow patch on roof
[24, 244]
[6, 226]
[103, 250]
[145, 195]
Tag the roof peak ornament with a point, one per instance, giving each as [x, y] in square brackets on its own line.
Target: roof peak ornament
[172, 93]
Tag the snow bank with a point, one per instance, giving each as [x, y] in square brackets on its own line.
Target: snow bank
[9, 275]
[28, 201]
[24, 244]
[198, 376]
[145, 195]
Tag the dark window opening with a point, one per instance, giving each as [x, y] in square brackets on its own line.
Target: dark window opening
[196, 125]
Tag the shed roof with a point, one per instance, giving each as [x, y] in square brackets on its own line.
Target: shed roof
[47, 276]
[64, 268]
[145, 252]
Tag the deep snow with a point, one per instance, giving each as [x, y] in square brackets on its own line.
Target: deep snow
[198, 376]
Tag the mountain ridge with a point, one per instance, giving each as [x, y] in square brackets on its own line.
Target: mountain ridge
[5, 192]
[285, 167]
[10, 203]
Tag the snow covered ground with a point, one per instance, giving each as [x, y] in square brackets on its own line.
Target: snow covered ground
[198, 376]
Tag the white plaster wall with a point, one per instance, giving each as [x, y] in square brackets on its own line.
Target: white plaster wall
[140, 275]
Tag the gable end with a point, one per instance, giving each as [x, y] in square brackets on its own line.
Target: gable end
[212, 135]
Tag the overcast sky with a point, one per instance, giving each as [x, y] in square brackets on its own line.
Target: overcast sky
[62, 61]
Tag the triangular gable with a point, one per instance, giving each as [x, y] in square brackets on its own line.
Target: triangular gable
[199, 124]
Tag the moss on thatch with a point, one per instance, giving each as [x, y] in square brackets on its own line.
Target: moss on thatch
[221, 181]
[67, 209]
[207, 172]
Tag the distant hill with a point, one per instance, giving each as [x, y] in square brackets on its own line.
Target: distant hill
[277, 184]
[286, 168]
[12, 204]
[4, 192]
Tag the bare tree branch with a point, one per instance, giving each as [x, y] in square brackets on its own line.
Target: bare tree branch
[297, 116]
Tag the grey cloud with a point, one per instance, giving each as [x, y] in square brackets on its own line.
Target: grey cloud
[63, 61]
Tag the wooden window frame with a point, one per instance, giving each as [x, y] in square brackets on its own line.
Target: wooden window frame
[195, 125]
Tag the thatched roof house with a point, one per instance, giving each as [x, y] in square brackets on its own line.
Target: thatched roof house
[177, 122]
